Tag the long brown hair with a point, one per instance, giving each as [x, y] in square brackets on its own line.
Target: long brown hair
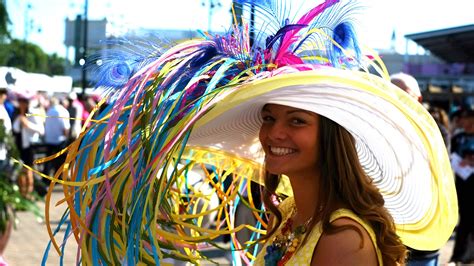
[344, 180]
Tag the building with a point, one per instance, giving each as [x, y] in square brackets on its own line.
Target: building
[446, 74]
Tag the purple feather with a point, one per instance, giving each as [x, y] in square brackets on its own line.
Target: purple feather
[281, 32]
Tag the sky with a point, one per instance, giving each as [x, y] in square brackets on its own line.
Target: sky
[377, 20]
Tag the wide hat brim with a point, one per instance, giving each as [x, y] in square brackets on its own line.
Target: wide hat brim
[399, 144]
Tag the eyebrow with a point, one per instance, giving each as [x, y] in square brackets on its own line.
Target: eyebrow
[265, 109]
[300, 111]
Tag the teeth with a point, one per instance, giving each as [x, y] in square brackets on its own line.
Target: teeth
[281, 151]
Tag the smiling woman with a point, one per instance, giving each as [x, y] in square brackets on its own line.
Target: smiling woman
[289, 137]
[326, 219]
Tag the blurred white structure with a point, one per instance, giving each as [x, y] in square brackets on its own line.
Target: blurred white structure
[21, 81]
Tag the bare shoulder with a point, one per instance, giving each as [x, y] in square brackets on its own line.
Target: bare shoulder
[346, 247]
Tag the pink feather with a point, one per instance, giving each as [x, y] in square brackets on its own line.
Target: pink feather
[290, 37]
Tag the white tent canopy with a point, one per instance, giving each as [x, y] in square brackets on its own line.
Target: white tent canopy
[34, 82]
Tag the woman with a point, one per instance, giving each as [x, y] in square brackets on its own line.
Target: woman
[330, 187]
[362, 159]
[27, 130]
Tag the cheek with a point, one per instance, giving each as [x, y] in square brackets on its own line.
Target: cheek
[262, 134]
[312, 145]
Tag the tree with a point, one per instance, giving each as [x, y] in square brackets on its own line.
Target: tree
[4, 21]
[56, 64]
[24, 55]
[30, 58]
[27, 56]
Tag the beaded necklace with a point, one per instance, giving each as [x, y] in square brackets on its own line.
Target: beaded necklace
[285, 244]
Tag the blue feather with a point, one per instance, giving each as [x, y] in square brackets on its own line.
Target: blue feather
[344, 34]
[336, 22]
[270, 16]
[113, 68]
[203, 56]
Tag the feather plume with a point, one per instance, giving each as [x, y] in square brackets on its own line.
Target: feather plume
[112, 68]
[324, 27]
[280, 33]
[290, 38]
[272, 13]
[346, 38]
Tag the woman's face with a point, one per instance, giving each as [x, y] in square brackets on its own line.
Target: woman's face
[290, 139]
[23, 105]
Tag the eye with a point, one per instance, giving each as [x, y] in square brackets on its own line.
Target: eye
[267, 118]
[298, 121]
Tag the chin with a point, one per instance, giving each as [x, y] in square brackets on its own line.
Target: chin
[274, 171]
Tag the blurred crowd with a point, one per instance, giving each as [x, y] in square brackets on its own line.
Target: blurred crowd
[41, 125]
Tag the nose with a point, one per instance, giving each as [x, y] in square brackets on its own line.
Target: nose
[277, 131]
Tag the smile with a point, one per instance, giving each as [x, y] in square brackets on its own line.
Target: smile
[280, 151]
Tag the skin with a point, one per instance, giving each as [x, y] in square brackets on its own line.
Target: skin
[401, 84]
[343, 248]
[3, 97]
[468, 125]
[291, 128]
[290, 137]
[26, 179]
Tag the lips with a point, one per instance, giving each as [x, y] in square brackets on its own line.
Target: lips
[281, 151]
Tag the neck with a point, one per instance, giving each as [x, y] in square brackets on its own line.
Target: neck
[306, 194]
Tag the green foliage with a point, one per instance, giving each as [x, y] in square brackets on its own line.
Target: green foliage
[7, 141]
[56, 65]
[10, 196]
[30, 58]
[24, 55]
[12, 200]
[4, 21]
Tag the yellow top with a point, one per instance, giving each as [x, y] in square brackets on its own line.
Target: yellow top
[304, 254]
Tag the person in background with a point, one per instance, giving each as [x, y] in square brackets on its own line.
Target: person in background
[5, 122]
[87, 103]
[462, 160]
[28, 131]
[57, 128]
[75, 109]
[38, 105]
[409, 84]
[5, 129]
[442, 120]
[9, 105]
[455, 118]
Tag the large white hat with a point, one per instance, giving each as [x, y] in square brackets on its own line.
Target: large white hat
[399, 144]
